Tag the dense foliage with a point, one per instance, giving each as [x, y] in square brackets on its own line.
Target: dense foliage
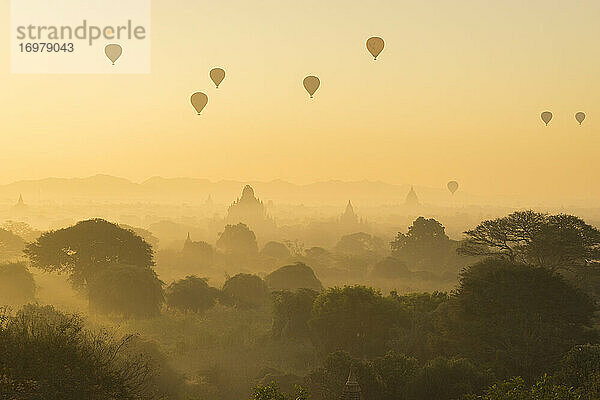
[49, 355]
[191, 294]
[16, 284]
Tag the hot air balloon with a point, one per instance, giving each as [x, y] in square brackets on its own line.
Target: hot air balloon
[375, 46]
[113, 52]
[452, 186]
[580, 116]
[546, 117]
[199, 101]
[217, 75]
[311, 84]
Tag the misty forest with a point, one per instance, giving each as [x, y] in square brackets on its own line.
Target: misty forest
[225, 298]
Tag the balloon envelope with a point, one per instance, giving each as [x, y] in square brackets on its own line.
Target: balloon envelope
[580, 116]
[546, 117]
[311, 84]
[217, 75]
[199, 101]
[452, 186]
[375, 46]
[113, 52]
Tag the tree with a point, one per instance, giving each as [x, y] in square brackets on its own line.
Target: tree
[390, 268]
[383, 378]
[16, 284]
[444, 379]
[191, 294]
[425, 246]
[356, 319]
[360, 244]
[246, 290]
[292, 277]
[536, 239]
[127, 290]
[47, 354]
[272, 392]
[11, 246]
[86, 248]
[359, 251]
[197, 255]
[22, 229]
[580, 369]
[516, 389]
[238, 240]
[277, 251]
[517, 318]
[421, 339]
[291, 312]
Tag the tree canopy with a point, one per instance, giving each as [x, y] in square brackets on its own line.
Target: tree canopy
[292, 277]
[86, 247]
[16, 284]
[535, 238]
[127, 290]
[357, 319]
[517, 318]
[238, 240]
[191, 294]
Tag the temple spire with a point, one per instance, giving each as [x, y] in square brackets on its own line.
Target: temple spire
[352, 388]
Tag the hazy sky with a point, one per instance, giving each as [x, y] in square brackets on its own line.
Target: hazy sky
[456, 94]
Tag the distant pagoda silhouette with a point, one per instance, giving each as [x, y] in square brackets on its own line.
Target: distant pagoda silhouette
[249, 210]
[352, 388]
[411, 198]
[349, 217]
[349, 220]
[20, 207]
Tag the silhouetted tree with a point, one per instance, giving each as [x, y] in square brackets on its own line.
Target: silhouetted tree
[49, 355]
[191, 294]
[535, 238]
[356, 319]
[444, 379]
[272, 392]
[517, 318]
[86, 248]
[11, 246]
[292, 277]
[383, 378]
[246, 290]
[580, 369]
[360, 244]
[128, 290]
[292, 311]
[277, 251]
[238, 240]
[425, 246]
[16, 284]
[516, 389]
[390, 268]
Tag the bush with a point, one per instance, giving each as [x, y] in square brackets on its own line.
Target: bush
[191, 294]
[128, 290]
[580, 369]
[49, 355]
[16, 284]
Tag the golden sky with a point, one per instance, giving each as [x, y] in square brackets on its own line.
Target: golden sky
[456, 94]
